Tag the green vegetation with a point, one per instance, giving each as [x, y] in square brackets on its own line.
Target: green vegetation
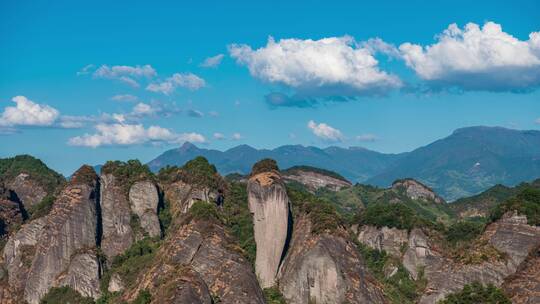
[11, 167]
[42, 208]
[204, 211]
[144, 297]
[197, 171]
[526, 202]
[65, 295]
[272, 295]
[164, 215]
[475, 293]
[316, 170]
[463, 231]
[128, 173]
[264, 165]
[394, 215]
[239, 220]
[323, 214]
[399, 288]
[84, 176]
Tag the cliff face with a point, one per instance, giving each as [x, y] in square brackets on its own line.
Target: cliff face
[524, 286]
[325, 269]
[390, 240]
[28, 191]
[416, 190]
[182, 195]
[116, 216]
[269, 204]
[314, 181]
[197, 263]
[60, 248]
[144, 200]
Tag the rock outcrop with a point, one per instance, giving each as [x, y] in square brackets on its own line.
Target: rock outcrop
[182, 195]
[28, 191]
[60, 248]
[523, 287]
[10, 217]
[325, 269]
[315, 180]
[416, 190]
[269, 204]
[390, 240]
[115, 217]
[144, 200]
[197, 263]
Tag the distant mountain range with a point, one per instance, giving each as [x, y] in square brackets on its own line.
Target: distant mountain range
[467, 162]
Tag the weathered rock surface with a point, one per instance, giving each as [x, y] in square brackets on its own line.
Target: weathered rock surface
[28, 191]
[314, 180]
[197, 260]
[182, 196]
[10, 217]
[115, 217]
[325, 269]
[71, 227]
[416, 190]
[390, 240]
[523, 287]
[510, 236]
[115, 284]
[144, 200]
[269, 204]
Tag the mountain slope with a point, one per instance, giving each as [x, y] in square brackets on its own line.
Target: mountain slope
[356, 164]
[469, 161]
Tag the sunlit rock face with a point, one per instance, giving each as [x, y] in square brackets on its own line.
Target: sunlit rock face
[326, 269]
[28, 191]
[315, 181]
[416, 190]
[269, 204]
[144, 200]
[391, 240]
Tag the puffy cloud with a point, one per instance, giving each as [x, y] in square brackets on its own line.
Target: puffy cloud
[125, 97]
[143, 109]
[219, 136]
[132, 134]
[86, 69]
[367, 137]
[124, 73]
[195, 113]
[212, 62]
[325, 67]
[325, 131]
[237, 136]
[28, 113]
[477, 58]
[186, 80]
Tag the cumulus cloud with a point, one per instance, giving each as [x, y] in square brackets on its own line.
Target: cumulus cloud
[325, 67]
[124, 73]
[212, 62]
[325, 131]
[367, 137]
[28, 113]
[185, 80]
[124, 98]
[477, 58]
[219, 136]
[119, 134]
[237, 136]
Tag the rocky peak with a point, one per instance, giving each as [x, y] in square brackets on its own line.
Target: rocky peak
[315, 179]
[416, 190]
[269, 204]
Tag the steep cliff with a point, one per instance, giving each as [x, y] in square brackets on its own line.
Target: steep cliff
[416, 190]
[269, 204]
[144, 200]
[315, 179]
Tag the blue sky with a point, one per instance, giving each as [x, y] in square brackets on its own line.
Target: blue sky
[403, 101]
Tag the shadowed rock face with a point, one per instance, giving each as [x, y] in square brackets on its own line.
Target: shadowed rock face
[269, 204]
[59, 249]
[144, 199]
[10, 217]
[182, 196]
[116, 216]
[197, 260]
[325, 269]
[390, 240]
[416, 190]
[29, 192]
[524, 286]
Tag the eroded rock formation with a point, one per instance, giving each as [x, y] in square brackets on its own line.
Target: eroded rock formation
[390, 240]
[269, 204]
[28, 191]
[314, 180]
[144, 200]
[416, 190]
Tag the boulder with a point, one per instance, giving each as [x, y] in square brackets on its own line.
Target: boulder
[325, 269]
[144, 200]
[115, 284]
[269, 204]
[117, 233]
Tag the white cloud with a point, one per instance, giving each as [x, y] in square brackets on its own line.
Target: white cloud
[212, 62]
[86, 70]
[367, 137]
[186, 80]
[219, 136]
[124, 97]
[28, 113]
[195, 113]
[132, 134]
[325, 131]
[143, 109]
[126, 74]
[237, 136]
[477, 58]
[336, 65]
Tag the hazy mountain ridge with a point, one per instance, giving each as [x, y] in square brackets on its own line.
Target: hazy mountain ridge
[467, 162]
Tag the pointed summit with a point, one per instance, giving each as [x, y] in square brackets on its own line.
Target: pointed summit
[187, 146]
